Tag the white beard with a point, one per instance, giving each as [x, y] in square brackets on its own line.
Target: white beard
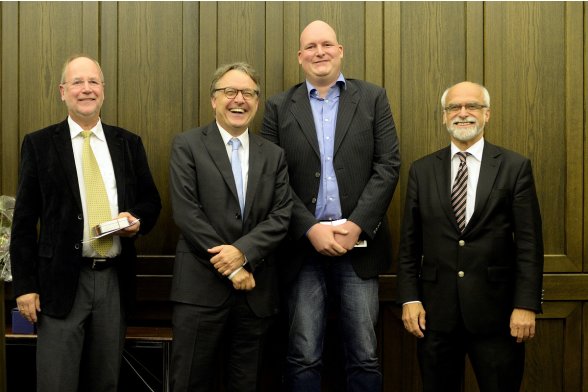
[464, 134]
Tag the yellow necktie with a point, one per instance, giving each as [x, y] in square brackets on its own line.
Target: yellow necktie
[97, 202]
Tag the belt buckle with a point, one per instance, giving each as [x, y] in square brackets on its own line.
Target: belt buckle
[94, 261]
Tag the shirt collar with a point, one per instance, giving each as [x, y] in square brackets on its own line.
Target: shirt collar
[341, 82]
[243, 138]
[475, 150]
[75, 129]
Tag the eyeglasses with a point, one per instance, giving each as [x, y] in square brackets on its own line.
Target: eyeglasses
[79, 83]
[469, 107]
[231, 93]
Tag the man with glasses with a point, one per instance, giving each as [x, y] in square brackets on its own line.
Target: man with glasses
[231, 201]
[471, 253]
[342, 151]
[73, 176]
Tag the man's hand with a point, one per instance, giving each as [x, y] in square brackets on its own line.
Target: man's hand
[348, 240]
[129, 231]
[227, 258]
[28, 306]
[413, 317]
[522, 324]
[243, 280]
[322, 237]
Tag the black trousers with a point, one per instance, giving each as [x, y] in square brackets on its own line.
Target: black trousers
[200, 332]
[497, 360]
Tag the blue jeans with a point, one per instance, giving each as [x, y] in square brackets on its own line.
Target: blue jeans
[357, 301]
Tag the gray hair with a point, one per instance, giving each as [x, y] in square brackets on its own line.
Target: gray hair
[484, 92]
[238, 66]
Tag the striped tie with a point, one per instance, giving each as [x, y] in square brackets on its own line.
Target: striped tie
[459, 192]
[96, 198]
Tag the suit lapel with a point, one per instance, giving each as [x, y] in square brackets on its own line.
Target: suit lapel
[348, 99]
[256, 157]
[491, 161]
[443, 182]
[214, 144]
[302, 112]
[62, 143]
[117, 156]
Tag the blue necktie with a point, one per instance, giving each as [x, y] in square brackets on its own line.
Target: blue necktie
[237, 173]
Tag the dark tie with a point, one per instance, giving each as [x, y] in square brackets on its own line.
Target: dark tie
[237, 173]
[459, 192]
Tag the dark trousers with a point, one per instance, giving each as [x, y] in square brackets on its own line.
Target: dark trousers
[83, 351]
[199, 333]
[497, 360]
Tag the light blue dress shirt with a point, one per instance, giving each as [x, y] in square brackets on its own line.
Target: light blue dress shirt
[324, 112]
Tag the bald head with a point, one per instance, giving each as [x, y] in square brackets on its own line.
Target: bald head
[320, 55]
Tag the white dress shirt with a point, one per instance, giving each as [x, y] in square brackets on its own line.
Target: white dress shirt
[243, 153]
[102, 154]
[474, 160]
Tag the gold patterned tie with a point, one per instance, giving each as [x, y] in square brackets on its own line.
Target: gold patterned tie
[97, 202]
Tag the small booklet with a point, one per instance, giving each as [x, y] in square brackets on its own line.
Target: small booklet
[111, 226]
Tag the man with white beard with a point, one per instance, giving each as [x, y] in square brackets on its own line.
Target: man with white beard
[471, 253]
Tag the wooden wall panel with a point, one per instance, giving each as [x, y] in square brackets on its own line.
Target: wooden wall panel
[158, 59]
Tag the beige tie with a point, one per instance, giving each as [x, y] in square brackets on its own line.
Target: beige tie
[96, 197]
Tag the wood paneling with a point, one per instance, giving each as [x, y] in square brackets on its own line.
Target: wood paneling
[158, 59]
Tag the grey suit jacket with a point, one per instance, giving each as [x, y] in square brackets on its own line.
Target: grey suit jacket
[366, 161]
[495, 265]
[206, 210]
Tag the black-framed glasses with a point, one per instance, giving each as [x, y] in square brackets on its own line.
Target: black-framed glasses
[469, 107]
[231, 92]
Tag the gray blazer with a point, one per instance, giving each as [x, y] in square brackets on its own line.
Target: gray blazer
[206, 210]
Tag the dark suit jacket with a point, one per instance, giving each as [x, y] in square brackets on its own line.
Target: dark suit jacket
[366, 162]
[48, 262]
[206, 209]
[500, 251]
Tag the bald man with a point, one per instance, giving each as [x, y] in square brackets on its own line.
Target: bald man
[471, 253]
[342, 151]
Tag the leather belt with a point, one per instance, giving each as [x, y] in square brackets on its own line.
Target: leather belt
[97, 263]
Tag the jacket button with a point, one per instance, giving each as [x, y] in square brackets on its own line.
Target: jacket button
[317, 174]
[80, 216]
[313, 201]
[461, 242]
[461, 274]
[77, 246]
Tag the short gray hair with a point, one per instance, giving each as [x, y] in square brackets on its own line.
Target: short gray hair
[484, 92]
[238, 66]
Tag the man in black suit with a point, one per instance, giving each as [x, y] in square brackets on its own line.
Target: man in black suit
[471, 254]
[343, 159]
[231, 201]
[74, 291]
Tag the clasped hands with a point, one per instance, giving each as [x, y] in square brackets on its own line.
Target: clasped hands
[331, 240]
[228, 259]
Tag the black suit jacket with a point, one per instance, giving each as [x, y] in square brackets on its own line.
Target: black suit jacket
[48, 262]
[366, 162]
[499, 254]
[206, 210]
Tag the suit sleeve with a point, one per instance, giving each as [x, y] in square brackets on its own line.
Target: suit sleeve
[528, 237]
[188, 213]
[377, 194]
[302, 218]
[147, 204]
[267, 234]
[23, 243]
[410, 253]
